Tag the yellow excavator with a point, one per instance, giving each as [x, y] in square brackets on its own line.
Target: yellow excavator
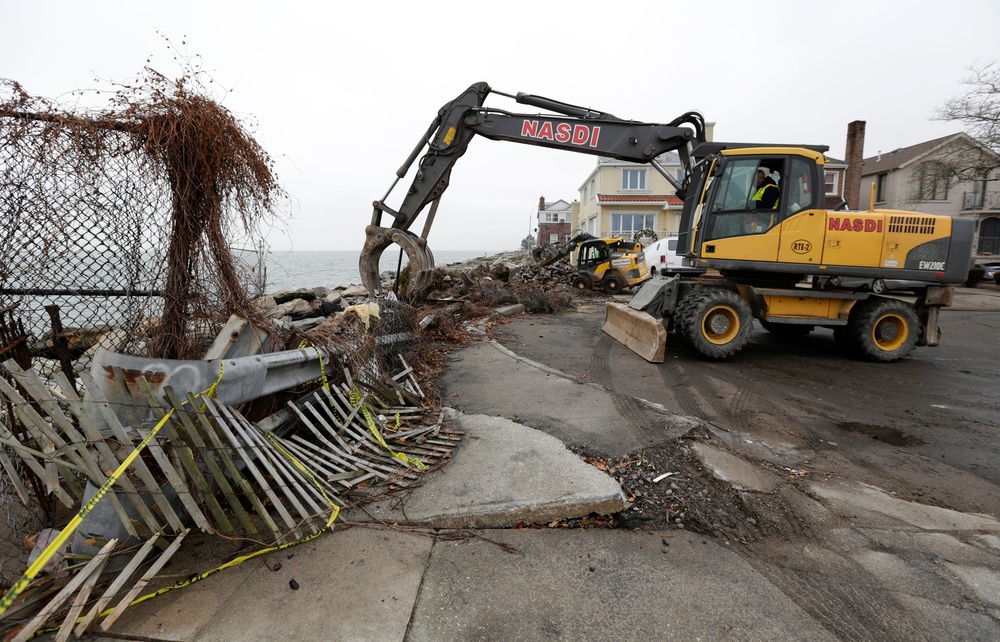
[877, 278]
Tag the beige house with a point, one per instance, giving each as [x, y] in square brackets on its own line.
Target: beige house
[922, 178]
[619, 198]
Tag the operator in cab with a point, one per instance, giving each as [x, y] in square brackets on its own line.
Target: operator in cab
[768, 192]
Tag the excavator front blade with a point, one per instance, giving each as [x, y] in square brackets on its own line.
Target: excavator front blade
[639, 324]
[638, 331]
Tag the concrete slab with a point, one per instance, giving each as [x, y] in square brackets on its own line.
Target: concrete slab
[600, 584]
[354, 584]
[854, 501]
[501, 474]
[740, 473]
[486, 378]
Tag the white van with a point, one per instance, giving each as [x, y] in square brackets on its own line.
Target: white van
[661, 258]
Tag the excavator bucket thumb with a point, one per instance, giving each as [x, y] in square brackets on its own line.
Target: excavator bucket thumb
[638, 325]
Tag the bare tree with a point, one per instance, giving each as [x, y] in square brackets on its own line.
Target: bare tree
[978, 109]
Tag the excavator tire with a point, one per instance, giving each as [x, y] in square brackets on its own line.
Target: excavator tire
[612, 284]
[882, 329]
[581, 283]
[717, 323]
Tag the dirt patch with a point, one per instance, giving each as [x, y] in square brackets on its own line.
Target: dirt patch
[668, 488]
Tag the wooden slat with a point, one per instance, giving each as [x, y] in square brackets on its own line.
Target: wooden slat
[116, 586]
[173, 476]
[98, 441]
[14, 478]
[344, 453]
[209, 429]
[209, 457]
[143, 581]
[273, 468]
[53, 605]
[43, 434]
[218, 411]
[187, 461]
[81, 600]
[30, 458]
[76, 443]
[328, 472]
[138, 464]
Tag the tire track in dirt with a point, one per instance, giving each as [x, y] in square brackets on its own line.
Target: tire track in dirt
[849, 611]
[642, 420]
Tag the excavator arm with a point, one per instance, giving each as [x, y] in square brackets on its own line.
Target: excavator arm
[571, 128]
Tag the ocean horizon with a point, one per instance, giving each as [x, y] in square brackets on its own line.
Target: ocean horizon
[295, 269]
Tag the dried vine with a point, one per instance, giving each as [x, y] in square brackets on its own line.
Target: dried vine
[165, 158]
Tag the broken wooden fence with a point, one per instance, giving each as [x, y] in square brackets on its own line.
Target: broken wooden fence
[208, 467]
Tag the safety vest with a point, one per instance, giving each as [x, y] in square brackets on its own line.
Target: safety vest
[760, 194]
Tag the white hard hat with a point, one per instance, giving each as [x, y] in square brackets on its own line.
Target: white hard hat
[766, 171]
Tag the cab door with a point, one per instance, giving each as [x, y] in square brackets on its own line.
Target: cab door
[802, 231]
[734, 228]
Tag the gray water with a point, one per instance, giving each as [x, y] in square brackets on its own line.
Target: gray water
[301, 269]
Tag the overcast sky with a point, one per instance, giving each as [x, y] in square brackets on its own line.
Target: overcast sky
[340, 92]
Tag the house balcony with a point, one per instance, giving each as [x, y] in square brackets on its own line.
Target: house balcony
[980, 201]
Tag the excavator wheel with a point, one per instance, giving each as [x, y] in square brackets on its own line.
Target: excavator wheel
[717, 323]
[581, 283]
[882, 329]
[612, 284]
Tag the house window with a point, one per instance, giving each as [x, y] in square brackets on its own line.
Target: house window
[553, 238]
[932, 182]
[629, 223]
[593, 192]
[633, 179]
[553, 217]
[831, 183]
[881, 185]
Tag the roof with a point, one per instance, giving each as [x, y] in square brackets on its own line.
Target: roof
[669, 199]
[558, 206]
[902, 156]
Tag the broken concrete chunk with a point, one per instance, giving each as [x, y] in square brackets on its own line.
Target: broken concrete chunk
[283, 296]
[296, 309]
[354, 290]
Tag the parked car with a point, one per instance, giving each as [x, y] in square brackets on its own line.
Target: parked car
[990, 271]
[878, 286]
[661, 258]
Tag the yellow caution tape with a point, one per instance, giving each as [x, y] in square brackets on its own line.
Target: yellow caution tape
[355, 402]
[335, 511]
[43, 559]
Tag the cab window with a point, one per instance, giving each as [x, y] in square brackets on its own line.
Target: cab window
[733, 211]
[799, 192]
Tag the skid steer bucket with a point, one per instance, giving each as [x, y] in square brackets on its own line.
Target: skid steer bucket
[638, 325]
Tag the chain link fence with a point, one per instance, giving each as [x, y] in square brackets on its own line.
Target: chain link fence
[117, 229]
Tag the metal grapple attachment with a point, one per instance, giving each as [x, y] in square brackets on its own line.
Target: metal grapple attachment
[421, 260]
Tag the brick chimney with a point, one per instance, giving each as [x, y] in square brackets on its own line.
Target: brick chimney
[541, 203]
[855, 153]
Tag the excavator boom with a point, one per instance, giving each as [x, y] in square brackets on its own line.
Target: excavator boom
[570, 128]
